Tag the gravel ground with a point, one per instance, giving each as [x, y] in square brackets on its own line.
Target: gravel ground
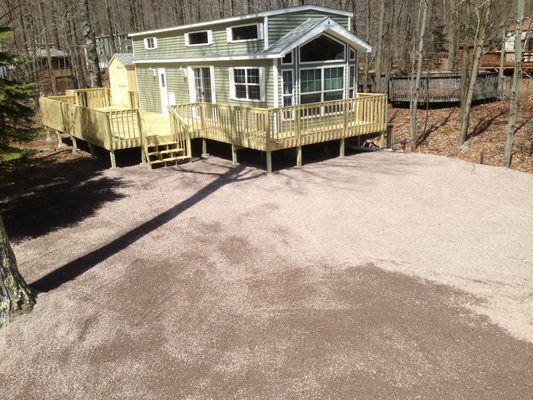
[378, 275]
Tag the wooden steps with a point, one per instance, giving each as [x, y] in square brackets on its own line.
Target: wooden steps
[164, 153]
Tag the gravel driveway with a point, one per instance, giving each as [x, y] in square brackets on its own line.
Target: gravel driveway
[386, 276]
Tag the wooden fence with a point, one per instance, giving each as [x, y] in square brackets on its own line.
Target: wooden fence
[442, 87]
[91, 98]
[283, 127]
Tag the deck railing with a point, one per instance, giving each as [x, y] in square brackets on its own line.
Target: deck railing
[91, 98]
[282, 127]
[110, 129]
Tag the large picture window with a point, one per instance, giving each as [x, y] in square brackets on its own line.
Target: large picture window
[321, 84]
[322, 48]
[247, 83]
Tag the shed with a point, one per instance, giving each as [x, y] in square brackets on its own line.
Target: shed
[122, 80]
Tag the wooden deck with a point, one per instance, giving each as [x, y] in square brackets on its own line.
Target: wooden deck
[88, 115]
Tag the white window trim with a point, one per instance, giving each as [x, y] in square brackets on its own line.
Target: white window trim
[324, 61]
[209, 38]
[229, 35]
[322, 91]
[146, 43]
[262, 90]
[292, 58]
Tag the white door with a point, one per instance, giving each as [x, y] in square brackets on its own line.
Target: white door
[162, 75]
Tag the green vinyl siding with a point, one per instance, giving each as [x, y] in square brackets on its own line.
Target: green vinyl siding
[178, 83]
[280, 25]
[173, 43]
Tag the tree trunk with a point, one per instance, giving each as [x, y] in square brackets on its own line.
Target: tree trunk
[502, 60]
[93, 65]
[478, 50]
[508, 148]
[15, 295]
[379, 47]
[415, 89]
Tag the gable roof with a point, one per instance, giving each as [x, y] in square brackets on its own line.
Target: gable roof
[245, 17]
[303, 33]
[124, 58]
[312, 28]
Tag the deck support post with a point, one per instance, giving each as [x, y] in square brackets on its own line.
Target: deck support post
[74, 144]
[382, 139]
[112, 158]
[93, 153]
[205, 154]
[342, 150]
[234, 154]
[299, 156]
[269, 162]
[60, 143]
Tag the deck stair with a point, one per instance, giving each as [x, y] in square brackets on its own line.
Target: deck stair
[164, 153]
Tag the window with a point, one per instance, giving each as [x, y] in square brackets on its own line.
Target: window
[321, 84]
[322, 49]
[287, 87]
[247, 84]
[352, 82]
[287, 59]
[352, 55]
[200, 38]
[150, 43]
[243, 33]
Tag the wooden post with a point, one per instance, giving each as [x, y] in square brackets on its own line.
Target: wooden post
[144, 148]
[205, 154]
[342, 151]
[91, 149]
[382, 139]
[269, 162]
[60, 143]
[267, 144]
[112, 158]
[233, 154]
[299, 156]
[74, 144]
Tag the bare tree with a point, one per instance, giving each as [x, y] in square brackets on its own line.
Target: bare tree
[514, 86]
[93, 65]
[415, 83]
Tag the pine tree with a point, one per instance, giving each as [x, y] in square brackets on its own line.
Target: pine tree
[16, 99]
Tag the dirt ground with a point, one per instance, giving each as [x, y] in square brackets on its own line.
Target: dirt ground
[377, 276]
[488, 128]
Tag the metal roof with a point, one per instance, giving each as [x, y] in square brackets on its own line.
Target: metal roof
[245, 17]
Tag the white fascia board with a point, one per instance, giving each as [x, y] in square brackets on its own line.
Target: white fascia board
[245, 17]
[205, 59]
[338, 31]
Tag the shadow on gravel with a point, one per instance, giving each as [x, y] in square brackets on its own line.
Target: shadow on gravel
[41, 195]
[82, 264]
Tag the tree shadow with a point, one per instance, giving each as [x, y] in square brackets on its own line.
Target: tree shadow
[432, 128]
[40, 195]
[82, 264]
[484, 124]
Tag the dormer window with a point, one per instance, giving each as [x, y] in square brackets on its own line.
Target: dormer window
[244, 33]
[150, 43]
[199, 38]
